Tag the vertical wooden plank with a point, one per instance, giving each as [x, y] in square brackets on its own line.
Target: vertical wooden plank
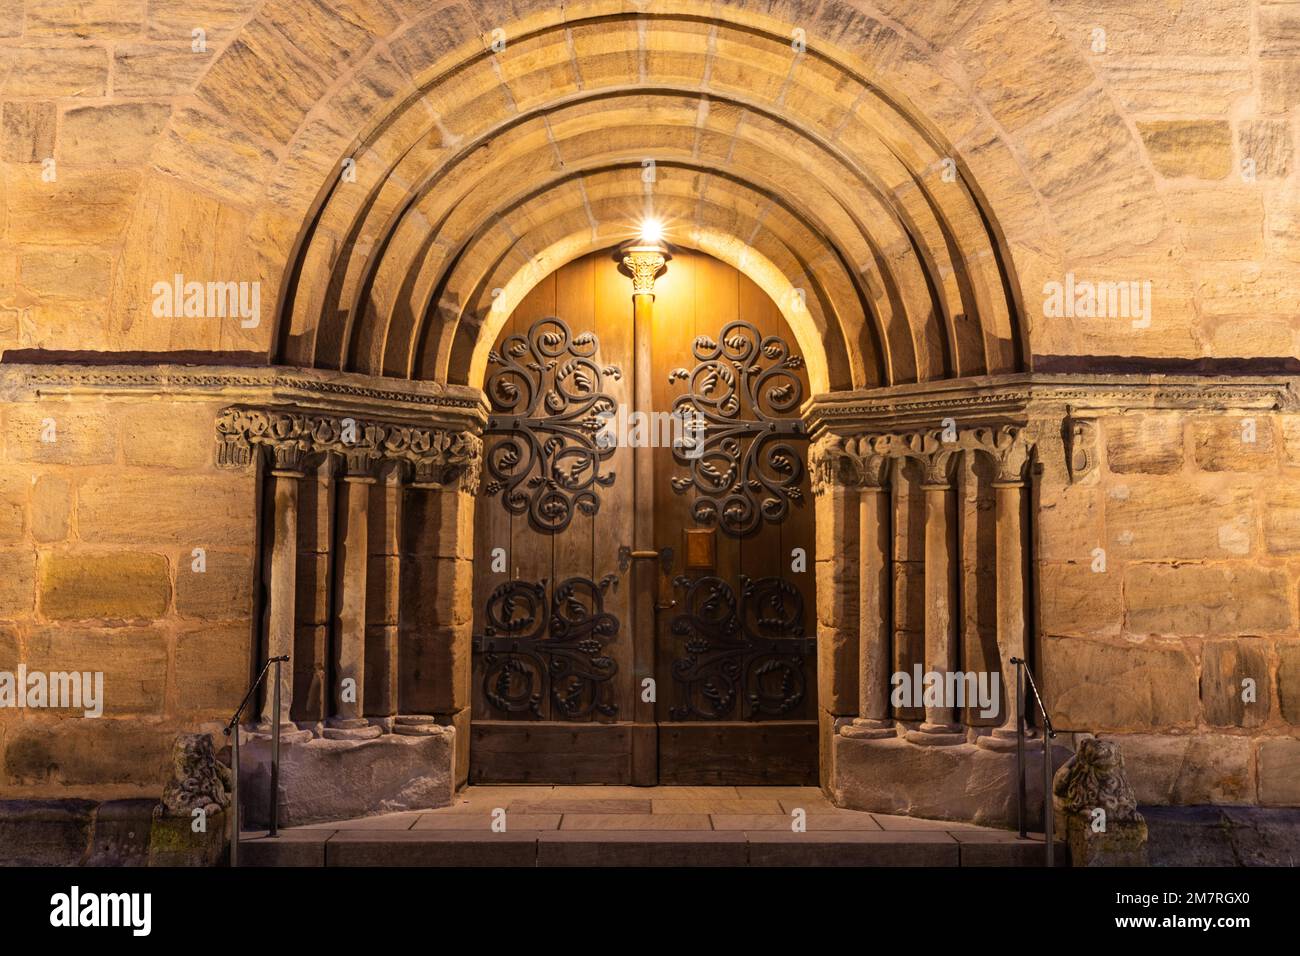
[717, 302]
[675, 330]
[528, 554]
[769, 551]
[611, 305]
[573, 548]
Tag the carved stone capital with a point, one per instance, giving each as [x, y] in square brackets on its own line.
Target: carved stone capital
[829, 464]
[290, 457]
[1007, 446]
[363, 445]
[871, 455]
[934, 448]
[863, 460]
[644, 265]
[457, 465]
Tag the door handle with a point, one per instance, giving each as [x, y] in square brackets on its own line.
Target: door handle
[665, 558]
[626, 556]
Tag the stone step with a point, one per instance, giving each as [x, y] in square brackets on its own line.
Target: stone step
[321, 846]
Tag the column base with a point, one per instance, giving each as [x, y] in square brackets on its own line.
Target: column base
[290, 733]
[350, 728]
[937, 735]
[1002, 739]
[416, 725]
[997, 744]
[868, 728]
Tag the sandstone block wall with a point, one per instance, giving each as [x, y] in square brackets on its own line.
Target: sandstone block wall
[103, 503]
[1169, 583]
[1114, 140]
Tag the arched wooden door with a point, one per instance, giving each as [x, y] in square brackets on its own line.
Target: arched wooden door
[706, 675]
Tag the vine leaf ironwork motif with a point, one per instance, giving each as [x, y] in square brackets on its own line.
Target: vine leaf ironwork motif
[745, 392]
[548, 405]
[533, 648]
[749, 650]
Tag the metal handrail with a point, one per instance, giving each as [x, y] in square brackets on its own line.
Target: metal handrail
[231, 730]
[1023, 673]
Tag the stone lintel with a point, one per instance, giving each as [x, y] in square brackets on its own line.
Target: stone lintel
[414, 403]
[1022, 398]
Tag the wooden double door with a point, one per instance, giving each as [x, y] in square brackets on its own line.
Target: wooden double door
[644, 587]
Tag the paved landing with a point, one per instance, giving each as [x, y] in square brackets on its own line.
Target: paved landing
[641, 826]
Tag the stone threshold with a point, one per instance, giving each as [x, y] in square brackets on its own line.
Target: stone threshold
[322, 846]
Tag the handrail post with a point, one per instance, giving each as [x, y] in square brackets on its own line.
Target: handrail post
[1047, 794]
[1020, 747]
[275, 754]
[232, 731]
[234, 795]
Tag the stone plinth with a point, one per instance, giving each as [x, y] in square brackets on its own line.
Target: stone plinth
[325, 780]
[1124, 842]
[963, 782]
[173, 841]
[122, 833]
[45, 832]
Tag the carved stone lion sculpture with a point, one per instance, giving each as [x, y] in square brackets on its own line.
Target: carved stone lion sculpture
[198, 779]
[190, 825]
[1102, 823]
[1094, 777]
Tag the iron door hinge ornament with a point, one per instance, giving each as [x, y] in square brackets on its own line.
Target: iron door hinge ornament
[549, 405]
[745, 389]
[533, 648]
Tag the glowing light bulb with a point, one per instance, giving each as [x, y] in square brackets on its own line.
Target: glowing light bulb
[652, 231]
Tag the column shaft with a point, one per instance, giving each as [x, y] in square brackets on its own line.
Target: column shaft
[350, 603]
[874, 617]
[1010, 591]
[282, 592]
[873, 604]
[940, 603]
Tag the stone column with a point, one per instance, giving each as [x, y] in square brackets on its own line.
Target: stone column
[941, 649]
[834, 487]
[349, 635]
[383, 568]
[282, 588]
[1009, 451]
[874, 585]
[436, 593]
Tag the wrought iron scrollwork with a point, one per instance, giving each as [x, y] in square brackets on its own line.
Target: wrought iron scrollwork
[547, 399]
[746, 391]
[534, 648]
[749, 650]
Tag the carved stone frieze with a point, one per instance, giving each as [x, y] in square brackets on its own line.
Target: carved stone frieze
[862, 461]
[436, 457]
